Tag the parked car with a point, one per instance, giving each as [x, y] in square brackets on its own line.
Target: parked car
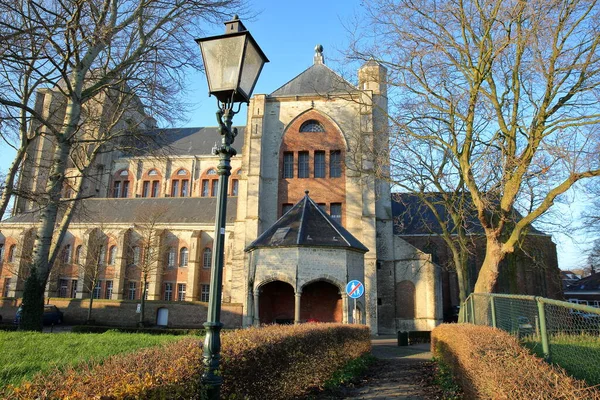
[52, 315]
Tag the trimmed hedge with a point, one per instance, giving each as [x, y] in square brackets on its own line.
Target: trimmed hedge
[151, 331]
[489, 363]
[274, 362]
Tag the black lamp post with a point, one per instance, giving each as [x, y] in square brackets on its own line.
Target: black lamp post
[232, 63]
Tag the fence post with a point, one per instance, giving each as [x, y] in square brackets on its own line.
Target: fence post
[472, 309]
[543, 332]
[493, 310]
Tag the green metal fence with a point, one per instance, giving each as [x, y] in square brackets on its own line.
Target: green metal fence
[564, 333]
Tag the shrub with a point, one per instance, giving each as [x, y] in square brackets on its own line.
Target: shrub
[274, 362]
[490, 364]
[151, 331]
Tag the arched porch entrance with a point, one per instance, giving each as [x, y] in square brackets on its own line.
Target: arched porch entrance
[321, 302]
[276, 303]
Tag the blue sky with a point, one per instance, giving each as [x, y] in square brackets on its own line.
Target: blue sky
[288, 31]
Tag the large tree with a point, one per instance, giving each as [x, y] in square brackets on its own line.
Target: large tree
[507, 90]
[118, 52]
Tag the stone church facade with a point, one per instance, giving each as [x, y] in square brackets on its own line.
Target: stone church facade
[302, 220]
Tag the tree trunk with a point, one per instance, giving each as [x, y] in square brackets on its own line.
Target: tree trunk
[462, 274]
[89, 315]
[10, 181]
[488, 275]
[143, 304]
[33, 303]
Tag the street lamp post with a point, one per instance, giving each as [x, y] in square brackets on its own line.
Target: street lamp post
[232, 63]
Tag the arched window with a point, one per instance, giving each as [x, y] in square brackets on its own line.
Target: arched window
[209, 184]
[235, 183]
[1, 252]
[11, 253]
[135, 255]
[112, 255]
[183, 257]
[102, 255]
[311, 126]
[121, 184]
[151, 184]
[180, 183]
[206, 260]
[66, 254]
[171, 257]
[78, 255]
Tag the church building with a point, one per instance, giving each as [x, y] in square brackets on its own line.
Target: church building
[304, 217]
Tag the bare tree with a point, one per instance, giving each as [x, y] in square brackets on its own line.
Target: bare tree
[147, 251]
[97, 51]
[508, 91]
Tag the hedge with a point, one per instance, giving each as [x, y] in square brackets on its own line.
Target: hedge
[151, 331]
[273, 362]
[489, 363]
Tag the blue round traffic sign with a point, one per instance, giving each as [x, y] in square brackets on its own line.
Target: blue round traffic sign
[355, 289]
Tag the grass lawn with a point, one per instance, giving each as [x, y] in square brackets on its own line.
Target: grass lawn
[23, 354]
[579, 355]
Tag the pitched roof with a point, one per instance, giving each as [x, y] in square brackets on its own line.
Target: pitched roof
[306, 224]
[186, 141]
[587, 284]
[180, 210]
[412, 216]
[317, 79]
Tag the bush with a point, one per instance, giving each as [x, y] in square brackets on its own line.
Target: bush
[489, 363]
[274, 362]
[151, 331]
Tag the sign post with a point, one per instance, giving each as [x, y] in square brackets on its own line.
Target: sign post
[355, 289]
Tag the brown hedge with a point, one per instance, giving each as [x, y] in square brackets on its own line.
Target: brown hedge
[489, 363]
[274, 362]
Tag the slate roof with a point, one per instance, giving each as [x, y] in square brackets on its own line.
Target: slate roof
[181, 210]
[186, 141]
[587, 284]
[413, 217]
[317, 79]
[305, 224]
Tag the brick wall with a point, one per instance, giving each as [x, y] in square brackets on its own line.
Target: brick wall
[123, 313]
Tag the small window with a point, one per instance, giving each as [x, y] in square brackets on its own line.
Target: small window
[112, 255]
[182, 172]
[1, 252]
[205, 293]
[171, 257]
[153, 172]
[174, 188]
[74, 288]
[97, 290]
[78, 255]
[117, 189]
[185, 184]
[311, 126]
[211, 171]
[335, 166]
[288, 164]
[336, 212]
[319, 164]
[207, 258]
[102, 255]
[108, 290]
[124, 173]
[63, 286]
[135, 255]
[213, 188]
[125, 190]
[181, 292]
[154, 188]
[11, 253]
[235, 184]
[66, 255]
[146, 189]
[204, 192]
[285, 208]
[6, 287]
[183, 257]
[132, 291]
[168, 291]
[303, 164]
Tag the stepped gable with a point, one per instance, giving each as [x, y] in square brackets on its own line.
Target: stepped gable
[305, 224]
